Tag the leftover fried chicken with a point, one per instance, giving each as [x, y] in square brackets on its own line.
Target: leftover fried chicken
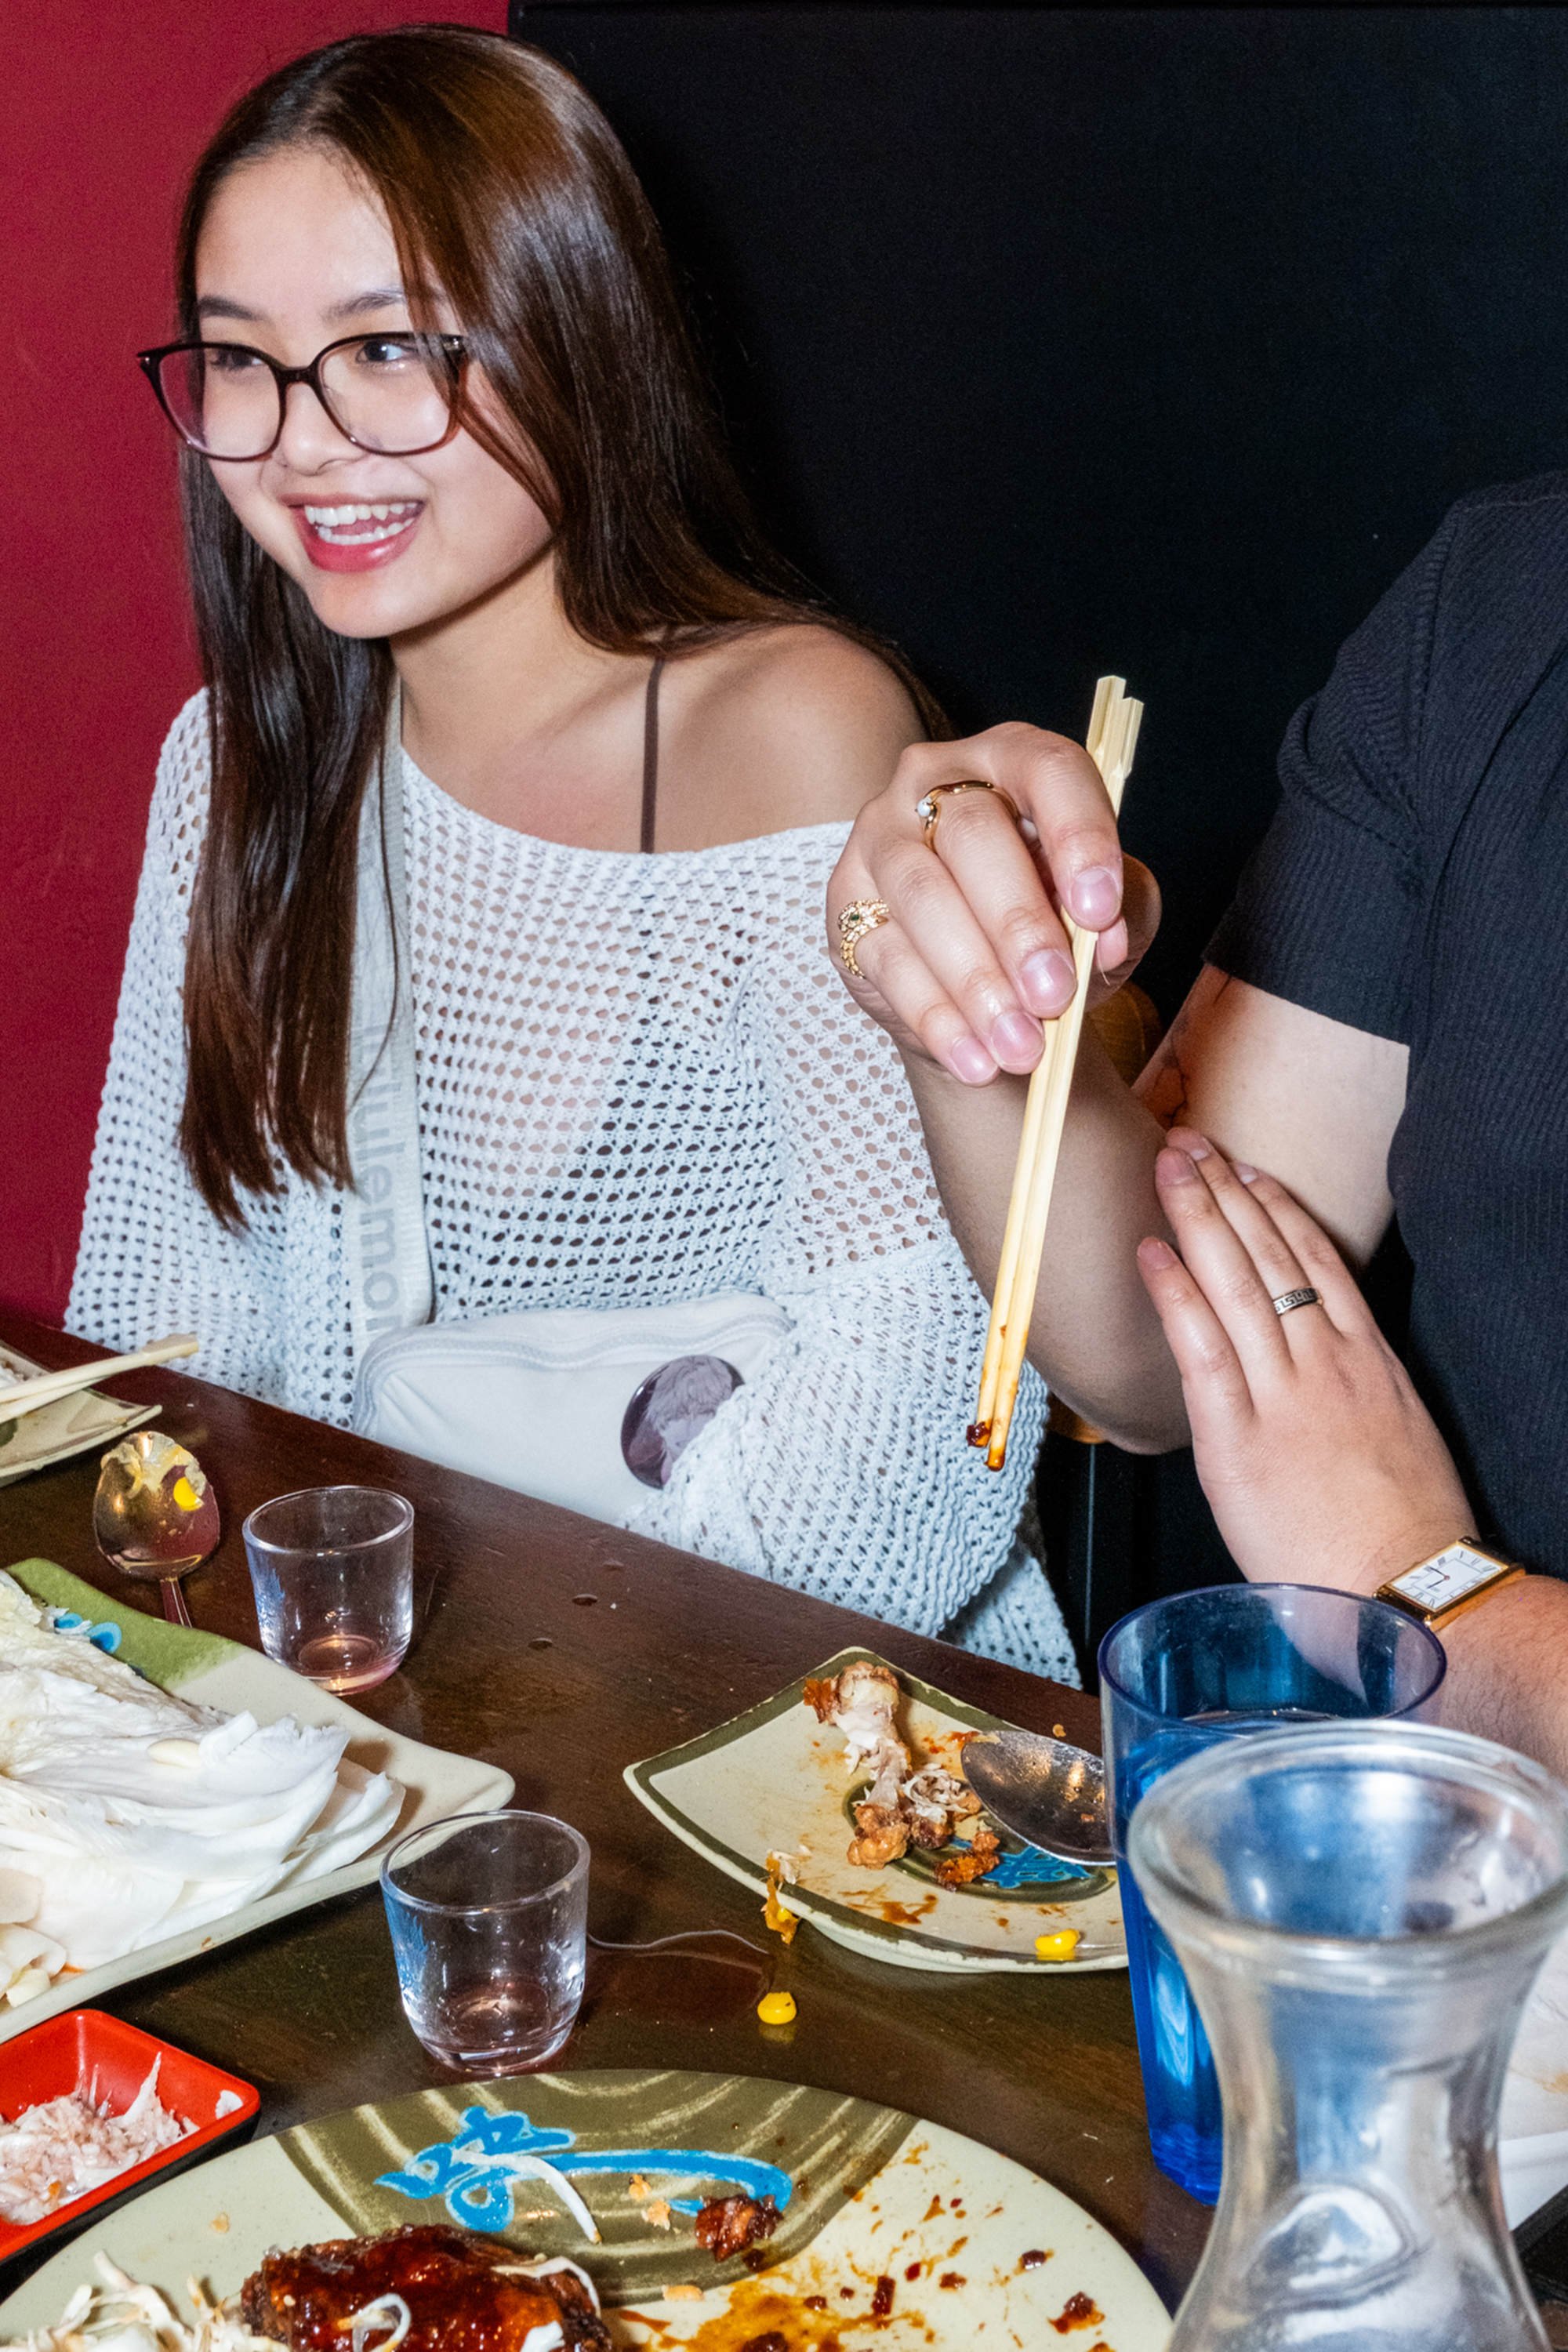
[728, 2225]
[458, 2291]
[902, 1807]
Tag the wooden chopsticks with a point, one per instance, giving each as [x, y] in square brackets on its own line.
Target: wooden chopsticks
[47, 1388]
[1112, 741]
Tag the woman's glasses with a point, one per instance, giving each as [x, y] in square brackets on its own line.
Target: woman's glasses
[396, 393]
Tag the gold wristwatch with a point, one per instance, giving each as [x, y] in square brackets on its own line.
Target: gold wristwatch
[1443, 1586]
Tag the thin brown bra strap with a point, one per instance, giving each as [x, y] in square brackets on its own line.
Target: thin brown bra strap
[651, 756]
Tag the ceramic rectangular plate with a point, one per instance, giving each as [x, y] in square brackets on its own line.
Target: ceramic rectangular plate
[774, 1777]
[53, 1433]
[214, 1671]
[966, 2247]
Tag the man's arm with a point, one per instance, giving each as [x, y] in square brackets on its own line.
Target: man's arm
[1320, 1462]
[1312, 1101]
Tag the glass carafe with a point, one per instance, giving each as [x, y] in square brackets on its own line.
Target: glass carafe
[1361, 1911]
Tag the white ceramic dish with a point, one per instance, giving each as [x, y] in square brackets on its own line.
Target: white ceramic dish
[774, 1777]
[867, 2195]
[223, 1674]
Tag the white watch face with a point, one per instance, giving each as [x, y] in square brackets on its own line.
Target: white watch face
[1447, 1577]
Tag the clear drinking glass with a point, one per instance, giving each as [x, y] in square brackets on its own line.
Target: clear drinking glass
[1174, 1679]
[333, 1572]
[489, 1914]
[1361, 1911]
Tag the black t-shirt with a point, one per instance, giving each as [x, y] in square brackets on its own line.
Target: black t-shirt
[1415, 884]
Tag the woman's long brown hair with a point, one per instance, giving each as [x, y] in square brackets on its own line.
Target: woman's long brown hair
[507, 192]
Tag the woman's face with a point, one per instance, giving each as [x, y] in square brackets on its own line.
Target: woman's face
[295, 255]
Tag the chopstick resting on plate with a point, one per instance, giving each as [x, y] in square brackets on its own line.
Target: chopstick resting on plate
[1112, 741]
[47, 1388]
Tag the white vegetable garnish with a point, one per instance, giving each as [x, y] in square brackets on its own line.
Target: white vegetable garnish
[387, 2319]
[533, 2167]
[20, 1896]
[123, 2316]
[549, 2335]
[63, 2148]
[128, 1815]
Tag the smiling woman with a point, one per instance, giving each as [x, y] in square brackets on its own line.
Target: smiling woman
[478, 963]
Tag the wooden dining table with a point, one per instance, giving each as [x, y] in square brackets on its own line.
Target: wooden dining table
[562, 1650]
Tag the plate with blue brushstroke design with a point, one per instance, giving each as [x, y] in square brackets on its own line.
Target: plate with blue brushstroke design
[775, 1782]
[892, 2231]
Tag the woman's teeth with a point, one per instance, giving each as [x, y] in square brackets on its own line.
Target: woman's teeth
[336, 524]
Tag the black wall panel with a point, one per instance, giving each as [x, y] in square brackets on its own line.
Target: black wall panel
[1056, 340]
[1063, 339]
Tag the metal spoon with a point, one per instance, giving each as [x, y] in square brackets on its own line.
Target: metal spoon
[1045, 1791]
[154, 1515]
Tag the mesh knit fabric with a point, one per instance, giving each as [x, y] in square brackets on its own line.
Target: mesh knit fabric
[639, 1082]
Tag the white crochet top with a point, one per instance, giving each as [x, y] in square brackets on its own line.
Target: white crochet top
[639, 1081]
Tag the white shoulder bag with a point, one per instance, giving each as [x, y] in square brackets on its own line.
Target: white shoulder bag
[583, 1407]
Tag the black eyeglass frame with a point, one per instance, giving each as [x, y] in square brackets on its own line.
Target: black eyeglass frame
[453, 351]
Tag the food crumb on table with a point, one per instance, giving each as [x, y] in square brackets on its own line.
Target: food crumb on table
[1060, 1946]
[220, 2223]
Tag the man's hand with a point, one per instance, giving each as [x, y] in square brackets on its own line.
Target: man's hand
[975, 955]
[1320, 1461]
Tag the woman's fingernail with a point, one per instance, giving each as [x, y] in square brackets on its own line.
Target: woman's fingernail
[1015, 1038]
[968, 1059]
[1247, 1175]
[1096, 897]
[1048, 980]
[1113, 947]
[1176, 1168]
[1197, 1148]
[1156, 1255]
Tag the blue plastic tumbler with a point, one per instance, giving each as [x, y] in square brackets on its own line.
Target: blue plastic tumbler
[1174, 1679]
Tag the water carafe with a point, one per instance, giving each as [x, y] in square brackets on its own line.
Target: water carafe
[1361, 1911]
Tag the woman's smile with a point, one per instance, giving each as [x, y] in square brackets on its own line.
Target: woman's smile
[355, 536]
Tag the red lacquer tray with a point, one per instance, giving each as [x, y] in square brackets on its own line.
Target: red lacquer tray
[65, 2053]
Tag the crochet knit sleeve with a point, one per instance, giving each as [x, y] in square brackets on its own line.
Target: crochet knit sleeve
[842, 1468]
[152, 1259]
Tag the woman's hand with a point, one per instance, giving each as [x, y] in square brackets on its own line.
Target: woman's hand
[974, 956]
[1321, 1463]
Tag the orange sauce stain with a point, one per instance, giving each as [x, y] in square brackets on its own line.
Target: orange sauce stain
[905, 1915]
[759, 2309]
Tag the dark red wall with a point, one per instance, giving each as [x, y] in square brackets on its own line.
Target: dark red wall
[102, 109]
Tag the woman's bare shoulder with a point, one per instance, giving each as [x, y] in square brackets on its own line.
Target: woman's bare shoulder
[783, 727]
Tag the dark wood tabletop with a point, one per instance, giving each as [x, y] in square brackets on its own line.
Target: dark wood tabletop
[562, 1650]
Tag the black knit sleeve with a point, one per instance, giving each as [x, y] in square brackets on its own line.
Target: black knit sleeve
[1323, 913]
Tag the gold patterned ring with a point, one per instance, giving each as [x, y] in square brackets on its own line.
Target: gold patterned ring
[930, 809]
[855, 921]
